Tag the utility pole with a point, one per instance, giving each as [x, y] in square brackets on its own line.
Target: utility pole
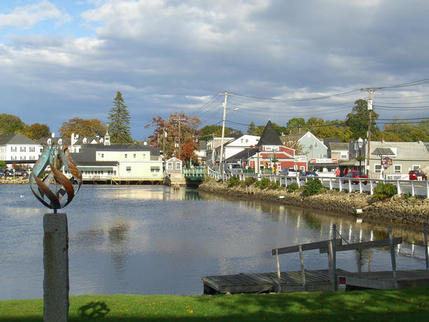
[223, 134]
[179, 119]
[371, 92]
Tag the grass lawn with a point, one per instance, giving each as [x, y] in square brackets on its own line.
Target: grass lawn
[397, 305]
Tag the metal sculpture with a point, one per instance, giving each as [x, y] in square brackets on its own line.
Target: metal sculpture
[63, 189]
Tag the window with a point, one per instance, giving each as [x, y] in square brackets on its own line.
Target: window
[13, 149]
[128, 169]
[102, 155]
[135, 155]
[126, 155]
[398, 168]
[170, 165]
[32, 149]
[177, 165]
[377, 168]
[302, 168]
[416, 166]
[154, 169]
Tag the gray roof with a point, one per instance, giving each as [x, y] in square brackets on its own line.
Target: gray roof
[243, 155]
[44, 141]
[122, 147]
[16, 138]
[383, 151]
[269, 136]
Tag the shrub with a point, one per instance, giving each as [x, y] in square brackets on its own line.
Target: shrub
[233, 181]
[292, 187]
[275, 185]
[249, 181]
[313, 187]
[384, 190]
[263, 184]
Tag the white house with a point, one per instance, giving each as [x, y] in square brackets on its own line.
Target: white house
[240, 144]
[120, 161]
[17, 147]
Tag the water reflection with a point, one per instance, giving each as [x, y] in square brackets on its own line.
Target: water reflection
[155, 240]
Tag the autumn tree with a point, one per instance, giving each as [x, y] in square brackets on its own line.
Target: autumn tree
[358, 120]
[177, 136]
[91, 127]
[10, 124]
[119, 117]
[403, 131]
[36, 131]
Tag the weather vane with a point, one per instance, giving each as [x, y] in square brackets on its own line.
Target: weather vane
[53, 189]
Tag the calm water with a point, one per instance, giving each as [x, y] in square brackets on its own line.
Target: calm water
[153, 240]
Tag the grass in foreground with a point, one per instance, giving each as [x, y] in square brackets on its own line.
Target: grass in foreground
[397, 305]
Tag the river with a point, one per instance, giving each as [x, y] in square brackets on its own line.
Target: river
[156, 240]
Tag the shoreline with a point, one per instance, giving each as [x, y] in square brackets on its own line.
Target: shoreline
[410, 212]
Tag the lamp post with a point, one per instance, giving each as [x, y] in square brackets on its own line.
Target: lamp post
[360, 145]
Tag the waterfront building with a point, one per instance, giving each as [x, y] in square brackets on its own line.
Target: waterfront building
[16, 148]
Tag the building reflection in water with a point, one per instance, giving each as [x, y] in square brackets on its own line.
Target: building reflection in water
[118, 240]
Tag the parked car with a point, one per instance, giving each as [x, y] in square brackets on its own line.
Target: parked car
[355, 175]
[309, 174]
[417, 175]
[3, 173]
[290, 172]
[21, 173]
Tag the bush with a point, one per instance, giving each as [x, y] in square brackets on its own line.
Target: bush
[384, 190]
[249, 181]
[263, 184]
[233, 181]
[292, 187]
[275, 185]
[313, 187]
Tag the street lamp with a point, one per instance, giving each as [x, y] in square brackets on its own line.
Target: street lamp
[360, 145]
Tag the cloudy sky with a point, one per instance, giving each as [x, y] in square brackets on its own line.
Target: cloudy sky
[280, 59]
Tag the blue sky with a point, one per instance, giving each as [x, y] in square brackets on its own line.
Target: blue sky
[65, 59]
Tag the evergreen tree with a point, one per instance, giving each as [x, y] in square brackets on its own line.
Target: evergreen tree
[251, 130]
[358, 120]
[119, 117]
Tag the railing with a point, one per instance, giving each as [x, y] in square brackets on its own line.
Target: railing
[411, 187]
[196, 172]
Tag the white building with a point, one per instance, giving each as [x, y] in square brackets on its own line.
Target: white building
[239, 145]
[17, 147]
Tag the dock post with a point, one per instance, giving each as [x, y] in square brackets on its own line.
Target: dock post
[425, 232]
[301, 259]
[332, 258]
[393, 258]
[278, 271]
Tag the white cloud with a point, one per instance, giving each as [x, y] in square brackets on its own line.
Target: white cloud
[27, 16]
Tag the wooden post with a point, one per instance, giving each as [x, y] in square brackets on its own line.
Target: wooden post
[359, 261]
[330, 183]
[425, 232]
[332, 258]
[371, 187]
[350, 185]
[278, 271]
[413, 190]
[301, 259]
[398, 187]
[393, 258]
[360, 185]
[56, 268]
[340, 184]
[427, 189]
[297, 180]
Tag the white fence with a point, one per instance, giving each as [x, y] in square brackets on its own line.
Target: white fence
[412, 187]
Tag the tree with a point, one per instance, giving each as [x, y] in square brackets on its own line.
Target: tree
[208, 131]
[251, 130]
[403, 131]
[10, 124]
[294, 124]
[91, 127]
[358, 120]
[36, 131]
[177, 136]
[119, 117]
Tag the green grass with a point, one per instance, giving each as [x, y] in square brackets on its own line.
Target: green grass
[397, 305]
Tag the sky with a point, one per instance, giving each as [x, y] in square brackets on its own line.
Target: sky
[277, 59]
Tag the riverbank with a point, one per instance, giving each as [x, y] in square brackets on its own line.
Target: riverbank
[409, 211]
[393, 305]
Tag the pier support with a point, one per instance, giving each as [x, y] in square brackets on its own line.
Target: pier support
[56, 268]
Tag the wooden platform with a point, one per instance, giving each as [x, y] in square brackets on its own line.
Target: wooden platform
[316, 280]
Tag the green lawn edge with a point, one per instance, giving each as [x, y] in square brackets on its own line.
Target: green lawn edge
[393, 305]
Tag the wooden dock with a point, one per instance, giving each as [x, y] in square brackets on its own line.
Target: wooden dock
[322, 280]
[315, 280]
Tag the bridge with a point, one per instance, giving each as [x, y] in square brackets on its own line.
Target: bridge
[194, 176]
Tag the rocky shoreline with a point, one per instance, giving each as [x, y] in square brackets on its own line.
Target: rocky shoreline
[413, 211]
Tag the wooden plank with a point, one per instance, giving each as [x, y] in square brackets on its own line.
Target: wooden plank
[301, 259]
[364, 245]
[309, 246]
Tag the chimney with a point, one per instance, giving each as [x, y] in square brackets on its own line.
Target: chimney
[52, 134]
[299, 130]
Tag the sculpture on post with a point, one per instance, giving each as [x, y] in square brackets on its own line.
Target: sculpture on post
[56, 158]
[55, 191]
